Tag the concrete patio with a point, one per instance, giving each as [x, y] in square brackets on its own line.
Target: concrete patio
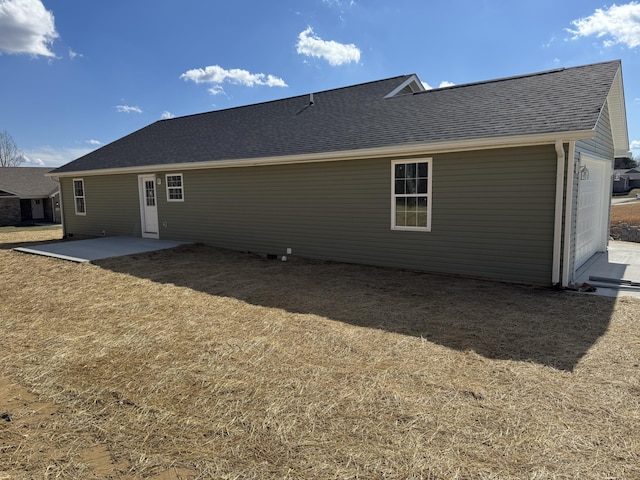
[99, 248]
[614, 273]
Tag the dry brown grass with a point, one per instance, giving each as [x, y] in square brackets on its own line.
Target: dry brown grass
[205, 363]
[628, 213]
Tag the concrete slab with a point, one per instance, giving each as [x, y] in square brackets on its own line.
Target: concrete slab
[99, 248]
[616, 272]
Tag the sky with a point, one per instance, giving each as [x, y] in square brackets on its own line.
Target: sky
[76, 75]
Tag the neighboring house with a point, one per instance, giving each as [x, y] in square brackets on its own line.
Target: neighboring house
[620, 181]
[28, 196]
[626, 180]
[371, 174]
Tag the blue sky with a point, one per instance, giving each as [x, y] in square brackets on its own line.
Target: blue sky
[75, 75]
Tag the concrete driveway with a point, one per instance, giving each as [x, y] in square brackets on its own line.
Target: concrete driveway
[616, 272]
[99, 248]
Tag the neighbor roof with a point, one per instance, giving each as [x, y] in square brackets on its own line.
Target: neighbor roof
[27, 182]
[363, 117]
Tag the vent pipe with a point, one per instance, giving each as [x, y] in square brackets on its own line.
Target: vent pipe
[311, 102]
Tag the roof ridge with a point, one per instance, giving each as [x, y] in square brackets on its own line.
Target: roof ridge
[515, 77]
[302, 95]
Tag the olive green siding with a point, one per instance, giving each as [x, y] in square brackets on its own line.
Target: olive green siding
[112, 206]
[492, 212]
[601, 146]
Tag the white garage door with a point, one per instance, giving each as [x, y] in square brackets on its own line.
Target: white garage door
[593, 206]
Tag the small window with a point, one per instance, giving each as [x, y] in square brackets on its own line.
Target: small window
[411, 195]
[175, 189]
[78, 196]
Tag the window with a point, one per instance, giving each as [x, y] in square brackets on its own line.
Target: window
[78, 196]
[175, 192]
[411, 197]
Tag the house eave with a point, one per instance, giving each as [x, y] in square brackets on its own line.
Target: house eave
[395, 151]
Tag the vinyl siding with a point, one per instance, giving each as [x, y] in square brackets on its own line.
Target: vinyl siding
[492, 213]
[112, 206]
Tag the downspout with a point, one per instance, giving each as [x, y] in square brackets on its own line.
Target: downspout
[557, 226]
[62, 222]
[568, 215]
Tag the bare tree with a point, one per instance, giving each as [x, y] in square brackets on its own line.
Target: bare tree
[10, 156]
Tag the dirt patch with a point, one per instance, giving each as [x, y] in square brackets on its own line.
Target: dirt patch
[204, 363]
[625, 222]
[628, 213]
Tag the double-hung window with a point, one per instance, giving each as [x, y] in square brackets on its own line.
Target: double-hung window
[78, 196]
[175, 188]
[411, 195]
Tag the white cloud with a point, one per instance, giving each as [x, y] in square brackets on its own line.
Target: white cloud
[443, 84]
[54, 157]
[128, 109]
[26, 26]
[33, 162]
[167, 115]
[335, 53]
[217, 90]
[634, 145]
[73, 54]
[619, 23]
[217, 75]
[94, 142]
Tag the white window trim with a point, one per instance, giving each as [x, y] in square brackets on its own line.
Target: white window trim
[75, 197]
[166, 183]
[429, 194]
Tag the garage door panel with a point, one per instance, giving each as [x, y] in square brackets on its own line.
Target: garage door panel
[593, 200]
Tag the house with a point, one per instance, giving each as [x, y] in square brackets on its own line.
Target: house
[371, 174]
[27, 196]
[626, 180]
[620, 182]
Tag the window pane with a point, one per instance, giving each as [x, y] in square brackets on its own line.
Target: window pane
[399, 170]
[78, 188]
[410, 185]
[399, 187]
[174, 181]
[422, 212]
[422, 169]
[411, 212]
[400, 212]
[422, 185]
[80, 205]
[411, 170]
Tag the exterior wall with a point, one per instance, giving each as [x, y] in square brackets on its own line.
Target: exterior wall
[492, 216]
[601, 146]
[111, 203]
[9, 211]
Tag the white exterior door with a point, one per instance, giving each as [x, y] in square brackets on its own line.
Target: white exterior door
[148, 206]
[593, 206]
[37, 209]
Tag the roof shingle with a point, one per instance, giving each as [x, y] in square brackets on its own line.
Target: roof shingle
[359, 117]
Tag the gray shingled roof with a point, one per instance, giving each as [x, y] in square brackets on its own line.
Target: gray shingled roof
[27, 182]
[359, 117]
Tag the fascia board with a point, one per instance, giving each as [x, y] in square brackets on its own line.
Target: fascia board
[394, 151]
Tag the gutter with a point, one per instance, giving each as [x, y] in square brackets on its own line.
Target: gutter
[394, 151]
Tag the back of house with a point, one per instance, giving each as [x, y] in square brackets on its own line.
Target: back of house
[507, 179]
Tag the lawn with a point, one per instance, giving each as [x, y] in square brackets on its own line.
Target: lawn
[203, 363]
[628, 213]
